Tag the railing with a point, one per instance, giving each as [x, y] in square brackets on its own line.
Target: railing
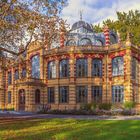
[29, 80]
[74, 49]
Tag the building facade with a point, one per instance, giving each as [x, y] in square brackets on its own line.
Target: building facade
[83, 67]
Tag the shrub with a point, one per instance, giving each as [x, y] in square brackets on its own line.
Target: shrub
[129, 105]
[85, 106]
[88, 106]
[93, 106]
[105, 106]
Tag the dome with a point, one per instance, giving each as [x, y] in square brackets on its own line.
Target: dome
[81, 24]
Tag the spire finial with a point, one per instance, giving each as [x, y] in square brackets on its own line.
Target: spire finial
[81, 15]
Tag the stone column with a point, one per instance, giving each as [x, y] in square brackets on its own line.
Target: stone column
[90, 78]
[72, 82]
[128, 95]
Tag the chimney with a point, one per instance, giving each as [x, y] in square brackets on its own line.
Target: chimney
[106, 34]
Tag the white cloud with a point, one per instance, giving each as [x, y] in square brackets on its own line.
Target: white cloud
[95, 12]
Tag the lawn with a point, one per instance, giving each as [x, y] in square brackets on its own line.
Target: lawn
[69, 129]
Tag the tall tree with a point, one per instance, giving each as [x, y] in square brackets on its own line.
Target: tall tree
[125, 23]
[21, 22]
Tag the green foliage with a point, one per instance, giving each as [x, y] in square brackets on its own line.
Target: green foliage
[129, 105]
[69, 129]
[105, 106]
[88, 106]
[126, 22]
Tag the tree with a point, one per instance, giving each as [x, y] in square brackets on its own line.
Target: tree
[22, 22]
[125, 23]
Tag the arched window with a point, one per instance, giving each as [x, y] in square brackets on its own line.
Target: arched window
[63, 94]
[97, 67]
[16, 74]
[81, 67]
[51, 94]
[113, 39]
[9, 78]
[35, 61]
[9, 97]
[71, 43]
[117, 94]
[85, 41]
[117, 66]
[134, 67]
[81, 94]
[51, 70]
[99, 42]
[23, 72]
[64, 68]
[37, 96]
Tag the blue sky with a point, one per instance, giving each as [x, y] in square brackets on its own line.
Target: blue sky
[95, 11]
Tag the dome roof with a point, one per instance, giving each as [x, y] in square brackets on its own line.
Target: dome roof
[81, 24]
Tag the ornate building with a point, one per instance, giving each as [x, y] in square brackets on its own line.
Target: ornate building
[83, 67]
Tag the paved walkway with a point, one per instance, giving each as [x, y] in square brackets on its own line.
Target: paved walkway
[24, 115]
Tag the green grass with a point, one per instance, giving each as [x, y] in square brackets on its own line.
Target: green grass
[69, 129]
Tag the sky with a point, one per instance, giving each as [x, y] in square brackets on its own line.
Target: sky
[95, 11]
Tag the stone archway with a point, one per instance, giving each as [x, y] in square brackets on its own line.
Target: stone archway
[21, 100]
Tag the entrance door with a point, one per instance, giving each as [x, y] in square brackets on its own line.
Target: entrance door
[22, 100]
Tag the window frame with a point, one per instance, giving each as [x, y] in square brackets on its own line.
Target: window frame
[61, 68]
[133, 68]
[16, 74]
[9, 97]
[52, 69]
[9, 78]
[83, 71]
[24, 72]
[118, 72]
[96, 92]
[117, 94]
[50, 101]
[37, 96]
[63, 95]
[35, 74]
[96, 62]
[79, 98]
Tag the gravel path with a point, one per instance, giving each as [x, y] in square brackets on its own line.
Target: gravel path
[46, 116]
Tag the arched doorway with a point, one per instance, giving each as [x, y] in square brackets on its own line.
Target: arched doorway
[21, 99]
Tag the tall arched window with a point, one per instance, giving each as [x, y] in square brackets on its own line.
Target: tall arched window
[97, 67]
[37, 96]
[16, 74]
[63, 94]
[113, 39]
[23, 73]
[64, 68]
[51, 70]
[117, 66]
[99, 42]
[134, 67]
[9, 78]
[71, 43]
[81, 67]
[117, 94]
[35, 61]
[81, 94]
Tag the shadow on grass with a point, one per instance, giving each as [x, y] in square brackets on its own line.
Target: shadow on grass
[71, 129]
